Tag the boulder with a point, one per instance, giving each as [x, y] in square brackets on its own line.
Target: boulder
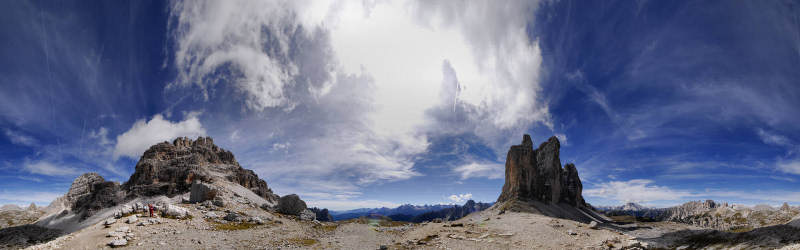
[174, 211]
[256, 220]
[218, 201]
[109, 222]
[291, 204]
[233, 217]
[593, 225]
[132, 219]
[118, 242]
[201, 192]
[307, 215]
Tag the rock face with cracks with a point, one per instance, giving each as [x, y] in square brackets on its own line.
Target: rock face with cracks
[537, 175]
[171, 168]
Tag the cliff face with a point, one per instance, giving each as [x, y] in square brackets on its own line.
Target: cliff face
[537, 175]
[170, 168]
[88, 194]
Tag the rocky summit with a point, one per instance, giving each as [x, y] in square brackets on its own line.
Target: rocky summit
[171, 168]
[537, 175]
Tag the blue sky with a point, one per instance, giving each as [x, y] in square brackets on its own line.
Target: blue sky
[372, 103]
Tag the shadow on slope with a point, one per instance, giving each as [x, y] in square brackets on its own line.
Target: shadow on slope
[771, 237]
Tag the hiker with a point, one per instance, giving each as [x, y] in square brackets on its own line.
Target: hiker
[150, 207]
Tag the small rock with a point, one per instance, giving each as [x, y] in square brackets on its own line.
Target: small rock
[570, 232]
[257, 220]
[308, 215]
[123, 229]
[457, 225]
[115, 234]
[593, 225]
[109, 222]
[118, 243]
[219, 202]
[234, 217]
[383, 247]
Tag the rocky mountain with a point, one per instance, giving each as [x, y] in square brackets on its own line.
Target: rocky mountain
[170, 168]
[166, 170]
[638, 211]
[13, 215]
[407, 210]
[451, 214]
[536, 182]
[711, 214]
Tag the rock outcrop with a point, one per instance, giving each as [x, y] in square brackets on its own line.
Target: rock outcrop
[171, 168]
[88, 194]
[536, 175]
[291, 204]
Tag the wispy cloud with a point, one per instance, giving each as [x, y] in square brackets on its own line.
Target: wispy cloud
[478, 170]
[350, 204]
[19, 138]
[49, 169]
[637, 190]
[789, 166]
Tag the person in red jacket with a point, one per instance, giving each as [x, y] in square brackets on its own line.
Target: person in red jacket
[150, 207]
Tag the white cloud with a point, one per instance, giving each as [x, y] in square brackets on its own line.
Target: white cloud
[216, 34]
[562, 139]
[20, 138]
[338, 205]
[144, 134]
[358, 100]
[49, 169]
[789, 166]
[101, 135]
[460, 198]
[476, 170]
[773, 139]
[637, 190]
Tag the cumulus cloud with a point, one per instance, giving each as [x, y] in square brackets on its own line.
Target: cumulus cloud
[478, 170]
[460, 198]
[310, 76]
[49, 169]
[19, 138]
[637, 190]
[143, 134]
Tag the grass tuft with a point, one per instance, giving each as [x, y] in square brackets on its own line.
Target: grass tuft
[305, 242]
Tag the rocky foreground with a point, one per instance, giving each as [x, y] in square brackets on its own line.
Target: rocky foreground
[205, 200]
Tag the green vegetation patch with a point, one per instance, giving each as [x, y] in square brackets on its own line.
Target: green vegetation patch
[234, 226]
[305, 242]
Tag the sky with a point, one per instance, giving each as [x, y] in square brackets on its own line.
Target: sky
[380, 103]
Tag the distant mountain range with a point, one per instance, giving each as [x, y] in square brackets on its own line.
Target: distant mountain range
[709, 214]
[407, 209]
[415, 213]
